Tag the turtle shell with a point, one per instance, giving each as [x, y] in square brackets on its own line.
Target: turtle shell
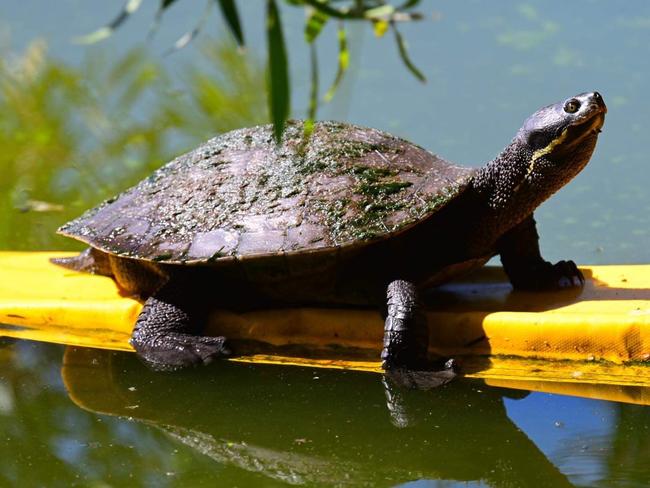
[241, 195]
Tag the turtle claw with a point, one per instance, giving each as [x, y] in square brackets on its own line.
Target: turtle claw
[568, 275]
[177, 351]
[423, 379]
[563, 275]
[397, 382]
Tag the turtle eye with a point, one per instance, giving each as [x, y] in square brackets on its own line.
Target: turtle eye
[571, 106]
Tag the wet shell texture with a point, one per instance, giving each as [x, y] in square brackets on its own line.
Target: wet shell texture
[241, 195]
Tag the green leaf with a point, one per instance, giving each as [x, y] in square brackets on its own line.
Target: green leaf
[403, 53]
[323, 7]
[313, 92]
[408, 4]
[104, 32]
[278, 71]
[344, 62]
[380, 27]
[361, 10]
[382, 12]
[229, 11]
[314, 25]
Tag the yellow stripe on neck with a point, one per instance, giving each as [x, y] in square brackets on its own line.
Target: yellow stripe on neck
[542, 152]
[545, 150]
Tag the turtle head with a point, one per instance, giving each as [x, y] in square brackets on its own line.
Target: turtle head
[565, 132]
[552, 146]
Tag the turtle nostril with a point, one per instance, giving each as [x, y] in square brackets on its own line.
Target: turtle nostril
[597, 96]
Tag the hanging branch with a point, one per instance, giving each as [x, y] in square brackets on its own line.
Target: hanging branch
[383, 16]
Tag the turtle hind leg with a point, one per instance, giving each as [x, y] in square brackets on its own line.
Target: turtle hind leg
[164, 337]
[91, 261]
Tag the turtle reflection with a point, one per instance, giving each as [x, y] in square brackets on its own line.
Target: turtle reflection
[306, 426]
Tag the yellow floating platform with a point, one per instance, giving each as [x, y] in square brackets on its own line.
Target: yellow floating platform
[600, 334]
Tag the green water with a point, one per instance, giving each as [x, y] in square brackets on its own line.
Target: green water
[79, 123]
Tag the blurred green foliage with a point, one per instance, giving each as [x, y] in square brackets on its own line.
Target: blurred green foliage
[72, 137]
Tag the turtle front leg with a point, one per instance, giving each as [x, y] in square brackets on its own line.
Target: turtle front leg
[406, 340]
[164, 335]
[404, 355]
[406, 337]
[525, 267]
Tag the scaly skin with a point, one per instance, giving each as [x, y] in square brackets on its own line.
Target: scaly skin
[405, 334]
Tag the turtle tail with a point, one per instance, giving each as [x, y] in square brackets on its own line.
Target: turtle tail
[89, 261]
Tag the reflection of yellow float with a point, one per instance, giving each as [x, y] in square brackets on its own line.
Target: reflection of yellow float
[600, 335]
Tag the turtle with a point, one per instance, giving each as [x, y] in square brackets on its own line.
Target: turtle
[345, 215]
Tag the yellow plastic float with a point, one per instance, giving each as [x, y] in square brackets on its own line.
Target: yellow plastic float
[542, 341]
